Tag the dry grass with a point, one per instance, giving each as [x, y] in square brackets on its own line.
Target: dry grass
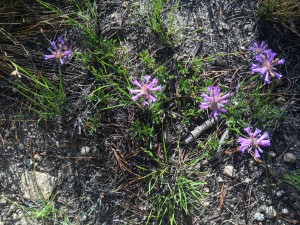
[285, 12]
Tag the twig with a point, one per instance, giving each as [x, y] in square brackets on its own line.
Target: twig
[200, 129]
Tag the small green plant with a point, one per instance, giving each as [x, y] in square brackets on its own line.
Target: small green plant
[293, 178]
[172, 189]
[141, 131]
[45, 212]
[147, 59]
[253, 103]
[208, 147]
[156, 20]
[47, 98]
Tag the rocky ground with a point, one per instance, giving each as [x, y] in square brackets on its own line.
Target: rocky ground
[90, 178]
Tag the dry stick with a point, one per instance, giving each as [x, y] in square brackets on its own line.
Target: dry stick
[200, 129]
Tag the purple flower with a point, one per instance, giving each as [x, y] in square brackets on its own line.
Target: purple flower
[59, 51]
[145, 90]
[265, 65]
[215, 101]
[254, 142]
[258, 49]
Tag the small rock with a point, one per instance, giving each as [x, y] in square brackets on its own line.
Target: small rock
[229, 170]
[224, 27]
[37, 186]
[219, 180]
[271, 212]
[247, 180]
[289, 158]
[2, 200]
[262, 208]
[37, 157]
[271, 154]
[206, 189]
[14, 216]
[281, 100]
[259, 216]
[285, 211]
[205, 204]
[279, 194]
[248, 27]
[85, 150]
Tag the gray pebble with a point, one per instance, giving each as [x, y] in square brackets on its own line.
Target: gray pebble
[285, 211]
[289, 158]
[271, 212]
[259, 216]
[85, 150]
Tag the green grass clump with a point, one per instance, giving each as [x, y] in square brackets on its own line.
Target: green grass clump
[156, 20]
[173, 187]
[252, 104]
[293, 178]
[47, 98]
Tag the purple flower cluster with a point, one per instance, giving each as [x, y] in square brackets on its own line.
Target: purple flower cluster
[146, 90]
[59, 51]
[265, 62]
[257, 49]
[254, 142]
[215, 101]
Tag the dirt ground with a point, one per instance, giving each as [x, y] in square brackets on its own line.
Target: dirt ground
[93, 177]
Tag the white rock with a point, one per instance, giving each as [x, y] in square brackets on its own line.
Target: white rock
[85, 150]
[271, 212]
[219, 180]
[229, 170]
[279, 193]
[259, 216]
[285, 211]
[289, 158]
[247, 180]
[206, 189]
[205, 204]
[37, 186]
[262, 208]
[272, 154]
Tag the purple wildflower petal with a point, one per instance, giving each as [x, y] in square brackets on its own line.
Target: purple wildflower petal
[68, 52]
[147, 78]
[136, 97]
[264, 136]
[279, 62]
[49, 56]
[226, 96]
[277, 75]
[152, 98]
[204, 106]
[264, 143]
[134, 91]
[158, 88]
[53, 45]
[256, 132]
[248, 130]
[61, 40]
[267, 78]
[256, 154]
[136, 83]
[153, 83]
